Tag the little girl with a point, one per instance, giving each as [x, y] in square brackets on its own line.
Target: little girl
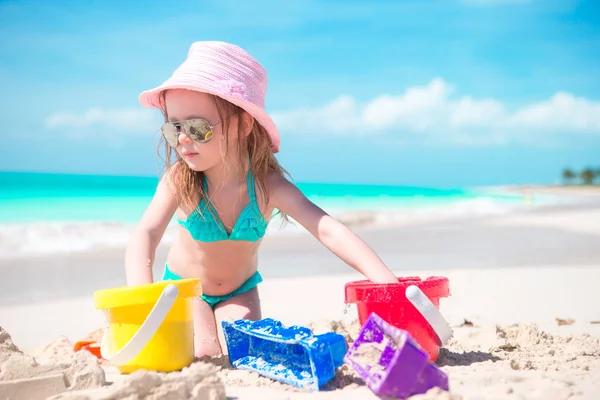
[223, 188]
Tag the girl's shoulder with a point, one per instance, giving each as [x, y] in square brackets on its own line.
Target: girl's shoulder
[282, 189]
[277, 182]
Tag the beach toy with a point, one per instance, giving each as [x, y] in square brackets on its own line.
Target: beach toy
[291, 355]
[88, 345]
[391, 363]
[149, 326]
[391, 303]
[430, 312]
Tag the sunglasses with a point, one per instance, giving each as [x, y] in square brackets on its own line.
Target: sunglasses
[197, 129]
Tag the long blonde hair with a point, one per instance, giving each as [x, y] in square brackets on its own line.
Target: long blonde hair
[187, 183]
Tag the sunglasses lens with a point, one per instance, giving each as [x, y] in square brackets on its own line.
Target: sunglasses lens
[171, 134]
[199, 130]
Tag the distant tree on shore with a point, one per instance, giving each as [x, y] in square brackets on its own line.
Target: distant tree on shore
[588, 176]
[568, 175]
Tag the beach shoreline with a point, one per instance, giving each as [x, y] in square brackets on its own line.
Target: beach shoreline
[561, 235]
[26, 239]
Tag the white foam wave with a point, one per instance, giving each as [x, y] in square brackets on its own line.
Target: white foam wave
[42, 238]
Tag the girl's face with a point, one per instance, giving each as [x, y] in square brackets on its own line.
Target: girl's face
[187, 104]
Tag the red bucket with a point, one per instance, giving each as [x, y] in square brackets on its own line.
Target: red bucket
[390, 303]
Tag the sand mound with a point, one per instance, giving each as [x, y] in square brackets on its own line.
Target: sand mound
[22, 374]
[196, 382]
[57, 372]
[521, 361]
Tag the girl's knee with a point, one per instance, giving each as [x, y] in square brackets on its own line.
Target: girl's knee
[206, 342]
[207, 347]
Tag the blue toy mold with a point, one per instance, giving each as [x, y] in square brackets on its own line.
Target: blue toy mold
[292, 355]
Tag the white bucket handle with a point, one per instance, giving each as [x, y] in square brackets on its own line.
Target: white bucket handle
[430, 312]
[153, 321]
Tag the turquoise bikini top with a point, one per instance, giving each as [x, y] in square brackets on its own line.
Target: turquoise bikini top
[250, 226]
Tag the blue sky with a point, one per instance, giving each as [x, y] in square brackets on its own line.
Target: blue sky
[428, 93]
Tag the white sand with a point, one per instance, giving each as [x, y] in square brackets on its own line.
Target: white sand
[534, 294]
[573, 221]
[502, 296]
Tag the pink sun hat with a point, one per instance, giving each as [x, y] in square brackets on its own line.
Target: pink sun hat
[224, 70]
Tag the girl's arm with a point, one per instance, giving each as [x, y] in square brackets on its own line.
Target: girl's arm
[141, 250]
[334, 235]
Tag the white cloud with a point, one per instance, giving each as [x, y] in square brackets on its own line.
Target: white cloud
[429, 113]
[562, 112]
[128, 121]
[434, 111]
[339, 115]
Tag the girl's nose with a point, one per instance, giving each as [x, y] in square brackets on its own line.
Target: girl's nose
[183, 138]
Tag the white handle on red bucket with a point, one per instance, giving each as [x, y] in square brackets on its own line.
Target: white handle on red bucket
[147, 330]
[430, 312]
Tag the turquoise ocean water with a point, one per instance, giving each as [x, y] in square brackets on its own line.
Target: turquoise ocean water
[55, 213]
[35, 197]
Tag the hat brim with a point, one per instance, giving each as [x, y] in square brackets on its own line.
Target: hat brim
[151, 99]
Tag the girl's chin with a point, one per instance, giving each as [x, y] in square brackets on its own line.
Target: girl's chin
[195, 165]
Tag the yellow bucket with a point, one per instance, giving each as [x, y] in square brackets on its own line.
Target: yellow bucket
[150, 326]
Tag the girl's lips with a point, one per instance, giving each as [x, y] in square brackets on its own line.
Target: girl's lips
[189, 155]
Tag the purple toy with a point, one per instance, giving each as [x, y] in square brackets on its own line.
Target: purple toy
[391, 363]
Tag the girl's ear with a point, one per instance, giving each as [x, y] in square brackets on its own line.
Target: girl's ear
[247, 123]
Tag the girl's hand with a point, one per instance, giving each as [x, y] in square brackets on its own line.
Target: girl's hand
[334, 235]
